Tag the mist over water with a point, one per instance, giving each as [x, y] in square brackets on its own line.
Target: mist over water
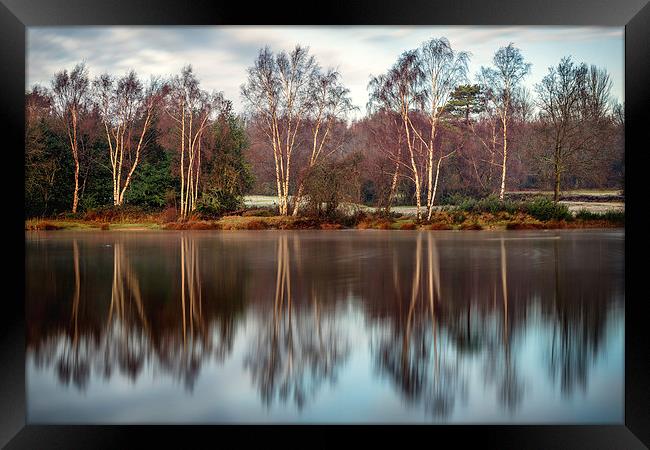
[353, 326]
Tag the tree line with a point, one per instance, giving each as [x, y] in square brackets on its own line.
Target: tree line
[429, 131]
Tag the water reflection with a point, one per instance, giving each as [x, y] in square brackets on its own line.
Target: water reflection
[301, 347]
[447, 325]
[176, 344]
[410, 352]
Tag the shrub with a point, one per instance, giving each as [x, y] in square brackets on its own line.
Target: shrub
[490, 204]
[610, 216]
[546, 209]
[352, 220]
[458, 217]
[331, 183]
[215, 202]
[460, 201]
[493, 204]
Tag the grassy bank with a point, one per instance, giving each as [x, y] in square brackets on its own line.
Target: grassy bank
[457, 213]
[86, 225]
[441, 220]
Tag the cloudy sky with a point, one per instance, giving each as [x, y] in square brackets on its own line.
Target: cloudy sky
[220, 55]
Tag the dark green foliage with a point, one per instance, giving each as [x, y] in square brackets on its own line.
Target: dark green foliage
[96, 180]
[610, 216]
[216, 202]
[451, 197]
[152, 180]
[459, 200]
[458, 217]
[228, 170]
[490, 204]
[368, 192]
[465, 101]
[543, 208]
[228, 175]
[48, 171]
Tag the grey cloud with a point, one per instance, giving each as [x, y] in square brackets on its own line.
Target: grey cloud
[220, 55]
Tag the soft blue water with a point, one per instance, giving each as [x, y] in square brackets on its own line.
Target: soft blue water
[325, 327]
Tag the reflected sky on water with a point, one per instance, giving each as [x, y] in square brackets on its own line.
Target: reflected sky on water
[352, 326]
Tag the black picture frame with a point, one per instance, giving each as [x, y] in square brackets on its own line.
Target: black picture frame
[16, 15]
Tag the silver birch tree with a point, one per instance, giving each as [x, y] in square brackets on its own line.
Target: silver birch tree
[277, 92]
[501, 81]
[69, 103]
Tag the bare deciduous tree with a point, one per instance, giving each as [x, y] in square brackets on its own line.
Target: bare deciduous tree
[192, 109]
[397, 91]
[500, 83]
[442, 70]
[69, 103]
[329, 102]
[127, 110]
[278, 92]
[574, 104]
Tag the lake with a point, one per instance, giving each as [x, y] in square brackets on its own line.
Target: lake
[349, 326]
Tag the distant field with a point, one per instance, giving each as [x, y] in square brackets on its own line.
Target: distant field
[260, 200]
[586, 192]
[596, 206]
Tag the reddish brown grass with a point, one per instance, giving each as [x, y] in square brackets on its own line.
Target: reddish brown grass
[174, 226]
[470, 226]
[168, 215]
[330, 226]
[256, 225]
[42, 225]
[383, 224]
[200, 226]
[438, 226]
[299, 224]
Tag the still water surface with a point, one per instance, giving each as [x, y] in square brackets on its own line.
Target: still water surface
[349, 326]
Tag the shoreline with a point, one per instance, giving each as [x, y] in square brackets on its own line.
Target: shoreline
[466, 222]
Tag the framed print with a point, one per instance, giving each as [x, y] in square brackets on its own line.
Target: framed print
[399, 218]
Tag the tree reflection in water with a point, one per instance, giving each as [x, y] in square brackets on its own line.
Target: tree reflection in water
[429, 343]
[445, 321]
[578, 323]
[412, 353]
[75, 353]
[127, 341]
[500, 368]
[301, 348]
